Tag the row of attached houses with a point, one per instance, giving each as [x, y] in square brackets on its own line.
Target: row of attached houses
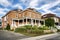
[17, 18]
[52, 16]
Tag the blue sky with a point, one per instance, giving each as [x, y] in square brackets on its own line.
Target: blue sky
[43, 6]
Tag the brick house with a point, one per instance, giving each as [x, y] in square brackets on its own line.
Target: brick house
[17, 18]
[53, 16]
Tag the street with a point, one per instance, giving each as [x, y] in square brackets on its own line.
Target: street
[5, 35]
[55, 37]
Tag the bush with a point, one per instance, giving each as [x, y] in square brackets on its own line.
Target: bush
[40, 28]
[43, 28]
[28, 27]
[0, 28]
[36, 31]
[34, 27]
[58, 30]
[20, 30]
[8, 27]
[46, 28]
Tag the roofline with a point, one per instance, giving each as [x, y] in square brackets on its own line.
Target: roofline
[33, 11]
[8, 12]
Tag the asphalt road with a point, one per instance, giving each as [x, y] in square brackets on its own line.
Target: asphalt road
[55, 37]
[5, 35]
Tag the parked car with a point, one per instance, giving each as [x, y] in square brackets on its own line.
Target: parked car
[58, 27]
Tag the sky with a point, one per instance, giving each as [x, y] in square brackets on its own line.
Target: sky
[43, 6]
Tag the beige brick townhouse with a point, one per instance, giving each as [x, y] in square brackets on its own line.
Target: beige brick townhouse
[53, 16]
[17, 18]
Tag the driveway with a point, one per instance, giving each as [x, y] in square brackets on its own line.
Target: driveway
[6, 35]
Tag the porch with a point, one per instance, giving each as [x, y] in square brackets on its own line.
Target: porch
[26, 21]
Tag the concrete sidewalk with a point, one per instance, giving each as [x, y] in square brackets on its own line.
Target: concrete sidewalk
[40, 37]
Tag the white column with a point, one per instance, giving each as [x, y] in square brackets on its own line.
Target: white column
[18, 22]
[32, 22]
[26, 21]
[39, 22]
[35, 21]
[23, 21]
[12, 22]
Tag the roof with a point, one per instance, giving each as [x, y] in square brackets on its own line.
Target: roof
[11, 11]
[32, 9]
[49, 15]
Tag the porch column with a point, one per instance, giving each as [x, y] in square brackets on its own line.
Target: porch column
[18, 22]
[12, 23]
[35, 21]
[26, 21]
[23, 21]
[32, 22]
[39, 22]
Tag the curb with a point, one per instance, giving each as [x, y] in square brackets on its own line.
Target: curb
[39, 37]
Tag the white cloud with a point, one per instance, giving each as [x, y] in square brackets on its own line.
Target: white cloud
[48, 6]
[25, 2]
[17, 6]
[5, 3]
[33, 3]
[30, 3]
[58, 8]
[3, 11]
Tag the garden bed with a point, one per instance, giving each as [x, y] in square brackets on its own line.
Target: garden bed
[33, 31]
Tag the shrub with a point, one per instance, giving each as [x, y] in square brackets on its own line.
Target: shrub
[43, 28]
[28, 27]
[36, 31]
[20, 30]
[8, 27]
[34, 27]
[40, 28]
[0, 28]
[58, 30]
[46, 28]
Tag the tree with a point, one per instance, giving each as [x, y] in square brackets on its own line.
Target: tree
[49, 22]
[8, 27]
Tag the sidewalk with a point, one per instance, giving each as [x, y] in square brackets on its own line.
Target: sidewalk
[39, 37]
